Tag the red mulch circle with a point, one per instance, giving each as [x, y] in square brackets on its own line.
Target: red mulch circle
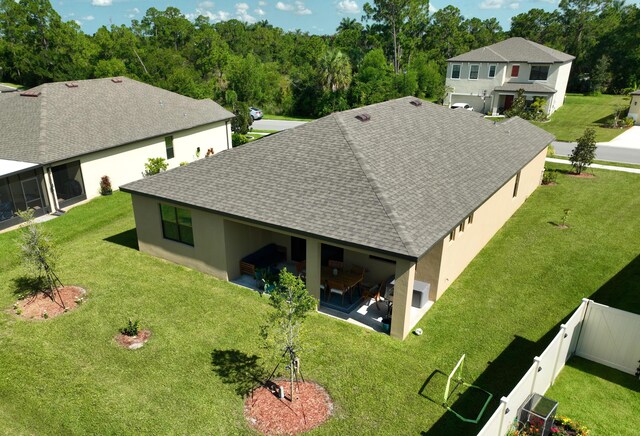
[35, 306]
[270, 415]
[133, 342]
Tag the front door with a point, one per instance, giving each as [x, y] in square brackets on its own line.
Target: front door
[508, 101]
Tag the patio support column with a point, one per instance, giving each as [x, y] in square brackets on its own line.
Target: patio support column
[402, 296]
[313, 267]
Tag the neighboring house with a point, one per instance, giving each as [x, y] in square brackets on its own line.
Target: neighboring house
[489, 78]
[59, 139]
[404, 188]
[634, 109]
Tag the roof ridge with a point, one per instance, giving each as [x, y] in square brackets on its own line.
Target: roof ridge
[42, 143]
[377, 189]
[496, 53]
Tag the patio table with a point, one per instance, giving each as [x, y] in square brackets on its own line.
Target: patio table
[348, 278]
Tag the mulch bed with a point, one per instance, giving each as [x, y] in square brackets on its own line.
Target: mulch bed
[133, 342]
[36, 306]
[270, 415]
[582, 175]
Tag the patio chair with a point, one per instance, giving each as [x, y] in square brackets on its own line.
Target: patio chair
[339, 288]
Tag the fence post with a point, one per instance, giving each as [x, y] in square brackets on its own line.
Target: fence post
[585, 303]
[536, 361]
[563, 334]
[503, 411]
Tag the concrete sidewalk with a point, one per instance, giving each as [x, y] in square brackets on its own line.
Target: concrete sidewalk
[598, 166]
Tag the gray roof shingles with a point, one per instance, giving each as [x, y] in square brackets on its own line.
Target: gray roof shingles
[514, 50]
[395, 184]
[528, 87]
[64, 122]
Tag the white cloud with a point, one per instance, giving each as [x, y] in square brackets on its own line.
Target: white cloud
[133, 12]
[101, 2]
[301, 9]
[243, 14]
[432, 8]
[206, 5]
[348, 7]
[261, 3]
[499, 4]
[211, 15]
[284, 7]
[89, 18]
[78, 22]
[260, 12]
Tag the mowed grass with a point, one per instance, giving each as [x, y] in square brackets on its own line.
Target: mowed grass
[286, 118]
[67, 375]
[599, 397]
[581, 111]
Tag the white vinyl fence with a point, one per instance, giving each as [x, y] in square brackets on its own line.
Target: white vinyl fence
[596, 332]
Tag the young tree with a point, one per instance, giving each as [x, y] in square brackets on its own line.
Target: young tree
[292, 303]
[585, 151]
[38, 254]
[242, 121]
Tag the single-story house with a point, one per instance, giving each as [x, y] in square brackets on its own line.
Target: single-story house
[404, 188]
[489, 78]
[634, 109]
[59, 139]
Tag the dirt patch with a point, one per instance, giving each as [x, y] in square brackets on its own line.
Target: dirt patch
[549, 184]
[271, 415]
[40, 306]
[133, 342]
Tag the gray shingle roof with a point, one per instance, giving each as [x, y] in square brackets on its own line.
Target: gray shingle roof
[514, 50]
[528, 87]
[396, 184]
[64, 122]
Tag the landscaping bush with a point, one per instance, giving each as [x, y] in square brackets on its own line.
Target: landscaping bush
[628, 121]
[131, 329]
[550, 176]
[105, 185]
[238, 139]
[155, 165]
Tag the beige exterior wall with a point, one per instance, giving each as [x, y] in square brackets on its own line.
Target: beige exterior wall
[125, 164]
[208, 253]
[634, 109]
[487, 220]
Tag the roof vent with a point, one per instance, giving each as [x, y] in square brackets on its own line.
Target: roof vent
[117, 80]
[71, 84]
[363, 117]
[30, 93]
[416, 102]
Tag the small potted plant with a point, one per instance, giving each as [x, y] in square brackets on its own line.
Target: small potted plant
[105, 185]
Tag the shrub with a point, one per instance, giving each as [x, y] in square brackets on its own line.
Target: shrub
[184, 163]
[238, 139]
[550, 176]
[551, 151]
[105, 185]
[155, 165]
[585, 151]
[628, 121]
[131, 329]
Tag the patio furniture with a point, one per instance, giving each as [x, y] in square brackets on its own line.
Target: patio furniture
[369, 291]
[268, 256]
[336, 287]
[335, 264]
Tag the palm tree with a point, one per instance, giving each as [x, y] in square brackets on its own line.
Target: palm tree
[336, 71]
[348, 24]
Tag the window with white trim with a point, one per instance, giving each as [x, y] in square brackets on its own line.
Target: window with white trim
[474, 70]
[492, 71]
[455, 71]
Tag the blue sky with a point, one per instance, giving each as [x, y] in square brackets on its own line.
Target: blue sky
[314, 16]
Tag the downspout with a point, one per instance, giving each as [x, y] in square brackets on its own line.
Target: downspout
[226, 131]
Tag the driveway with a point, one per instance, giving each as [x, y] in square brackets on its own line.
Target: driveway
[630, 138]
[276, 124]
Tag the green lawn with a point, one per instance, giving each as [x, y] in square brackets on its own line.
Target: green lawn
[605, 162]
[581, 111]
[598, 396]
[66, 375]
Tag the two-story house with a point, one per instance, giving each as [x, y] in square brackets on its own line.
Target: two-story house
[489, 78]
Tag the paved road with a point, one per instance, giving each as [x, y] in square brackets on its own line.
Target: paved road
[604, 167]
[606, 151]
[275, 124]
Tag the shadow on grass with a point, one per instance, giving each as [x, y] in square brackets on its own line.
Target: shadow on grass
[240, 369]
[128, 238]
[26, 286]
[611, 375]
[622, 291]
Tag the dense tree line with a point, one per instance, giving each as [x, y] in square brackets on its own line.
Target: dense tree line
[399, 49]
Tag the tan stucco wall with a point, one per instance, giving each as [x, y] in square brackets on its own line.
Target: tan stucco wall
[125, 164]
[487, 220]
[634, 109]
[206, 255]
